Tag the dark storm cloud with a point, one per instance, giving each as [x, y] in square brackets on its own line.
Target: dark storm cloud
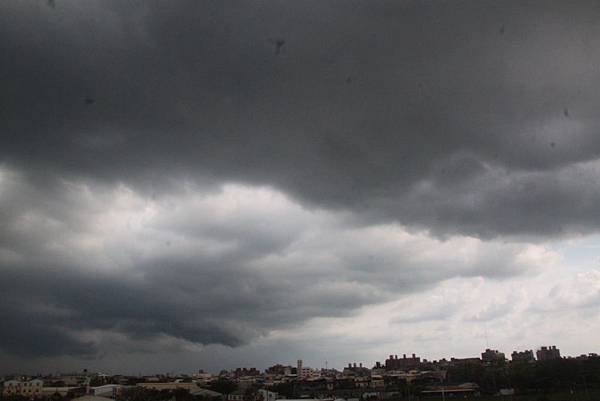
[36, 333]
[87, 270]
[460, 117]
[55, 287]
[345, 105]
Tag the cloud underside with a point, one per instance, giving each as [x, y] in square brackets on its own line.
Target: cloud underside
[87, 264]
[453, 116]
[209, 173]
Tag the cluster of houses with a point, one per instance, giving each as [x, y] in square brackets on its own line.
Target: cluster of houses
[383, 381]
[64, 385]
[330, 385]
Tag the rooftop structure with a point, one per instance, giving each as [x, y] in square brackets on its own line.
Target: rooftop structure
[522, 356]
[404, 363]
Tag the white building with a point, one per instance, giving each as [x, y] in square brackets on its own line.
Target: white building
[31, 388]
[108, 390]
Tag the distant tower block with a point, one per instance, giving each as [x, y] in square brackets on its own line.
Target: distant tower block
[299, 368]
[548, 353]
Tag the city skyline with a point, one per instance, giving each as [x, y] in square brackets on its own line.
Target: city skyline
[527, 376]
[516, 355]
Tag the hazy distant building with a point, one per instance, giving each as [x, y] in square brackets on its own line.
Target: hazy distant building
[404, 363]
[548, 353]
[279, 370]
[245, 372]
[353, 370]
[464, 361]
[491, 356]
[522, 356]
[299, 372]
[202, 377]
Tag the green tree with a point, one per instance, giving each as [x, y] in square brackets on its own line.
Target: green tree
[223, 386]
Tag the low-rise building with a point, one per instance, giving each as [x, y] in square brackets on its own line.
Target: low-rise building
[28, 388]
[235, 396]
[63, 391]
[464, 361]
[266, 395]
[89, 397]
[464, 390]
[189, 386]
[377, 382]
[108, 390]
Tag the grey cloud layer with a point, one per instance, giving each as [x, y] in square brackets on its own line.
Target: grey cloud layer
[432, 113]
[197, 267]
[120, 122]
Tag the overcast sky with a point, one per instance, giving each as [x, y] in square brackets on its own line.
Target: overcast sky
[203, 185]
